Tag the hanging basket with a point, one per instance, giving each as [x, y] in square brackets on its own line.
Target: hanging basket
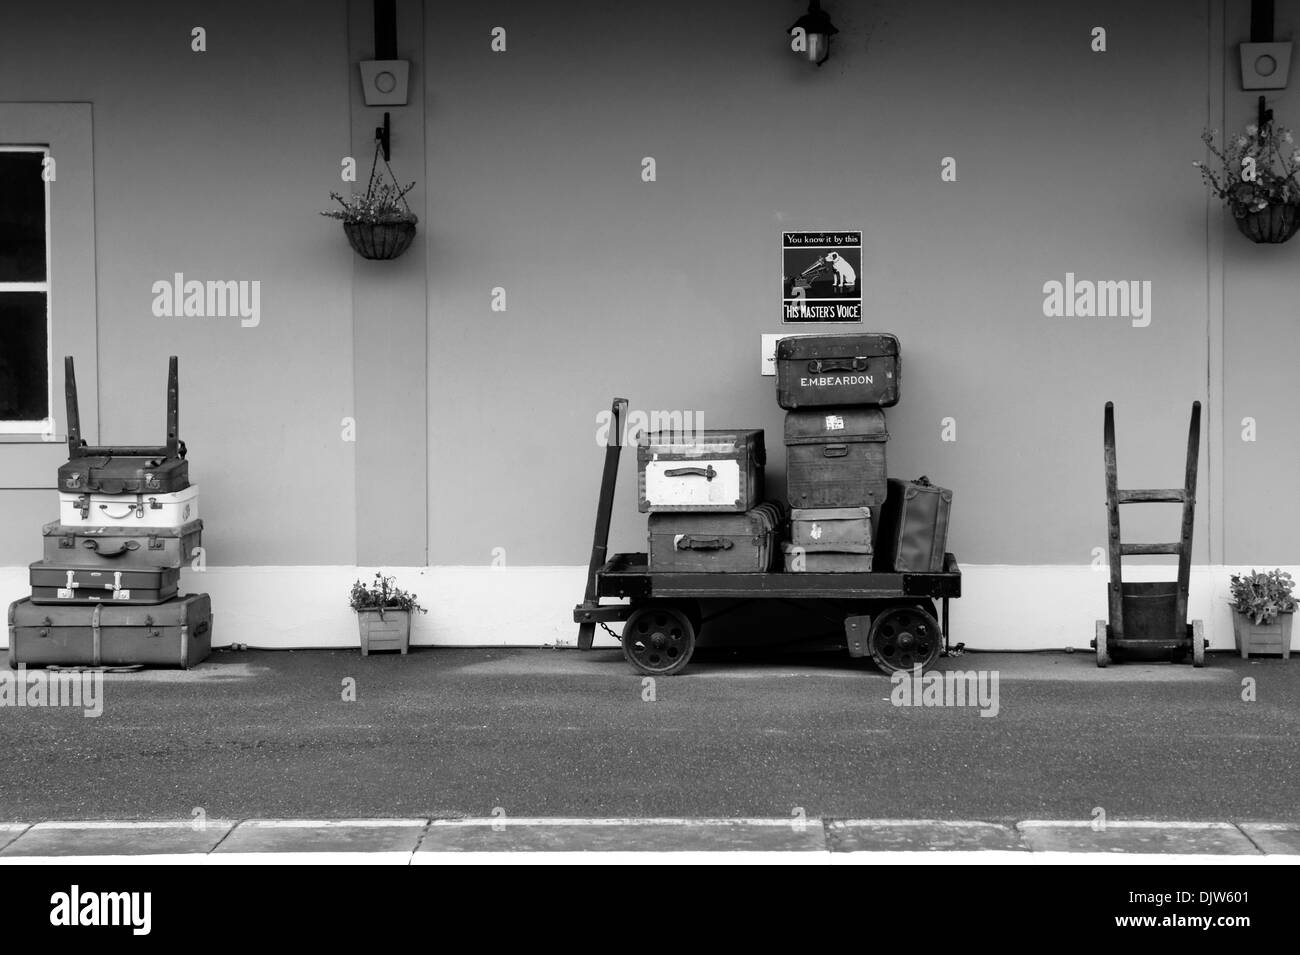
[1270, 225]
[379, 240]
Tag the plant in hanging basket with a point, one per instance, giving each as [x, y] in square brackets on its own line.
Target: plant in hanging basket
[378, 222]
[1257, 181]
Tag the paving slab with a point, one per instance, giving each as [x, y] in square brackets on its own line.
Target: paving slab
[83, 839]
[921, 835]
[1281, 839]
[1148, 838]
[383, 840]
[9, 831]
[624, 835]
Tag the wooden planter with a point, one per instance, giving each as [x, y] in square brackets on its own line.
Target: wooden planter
[1254, 637]
[1272, 225]
[385, 240]
[391, 631]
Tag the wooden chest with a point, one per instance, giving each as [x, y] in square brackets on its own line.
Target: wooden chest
[844, 530]
[835, 457]
[716, 543]
[700, 471]
[175, 633]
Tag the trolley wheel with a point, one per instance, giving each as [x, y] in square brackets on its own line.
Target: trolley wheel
[658, 639]
[1198, 643]
[902, 638]
[1103, 654]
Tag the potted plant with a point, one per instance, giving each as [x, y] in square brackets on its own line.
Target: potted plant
[383, 614]
[1257, 181]
[1262, 612]
[378, 223]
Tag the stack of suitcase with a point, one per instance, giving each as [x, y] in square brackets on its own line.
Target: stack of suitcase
[704, 495]
[844, 508]
[106, 592]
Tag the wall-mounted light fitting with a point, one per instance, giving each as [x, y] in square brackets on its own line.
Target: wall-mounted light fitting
[810, 35]
[1264, 62]
[384, 79]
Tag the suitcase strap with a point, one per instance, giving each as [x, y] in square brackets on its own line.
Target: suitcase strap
[707, 473]
[115, 587]
[95, 636]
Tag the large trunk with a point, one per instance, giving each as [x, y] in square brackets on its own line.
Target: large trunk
[835, 458]
[827, 371]
[175, 633]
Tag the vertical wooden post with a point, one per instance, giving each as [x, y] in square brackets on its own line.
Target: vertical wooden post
[1189, 515]
[1115, 595]
[604, 513]
[74, 413]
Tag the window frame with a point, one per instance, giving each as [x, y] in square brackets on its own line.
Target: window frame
[44, 426]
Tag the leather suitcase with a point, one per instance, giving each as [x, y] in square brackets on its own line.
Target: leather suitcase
[58, 583]
[122, 470]
[129, 510]
[122, 547]
[800, 560]
[175, 633]
[835, 458]
[827, 371]
[914, 526]
[700, 471]
[844, 530]
[716, 543]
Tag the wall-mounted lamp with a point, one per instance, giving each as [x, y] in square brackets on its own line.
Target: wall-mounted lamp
[1264, 63]
[810, 35]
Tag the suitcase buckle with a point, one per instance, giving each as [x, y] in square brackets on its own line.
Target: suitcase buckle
[83, 505]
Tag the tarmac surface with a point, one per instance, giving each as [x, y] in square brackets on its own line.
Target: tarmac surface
[443, 734]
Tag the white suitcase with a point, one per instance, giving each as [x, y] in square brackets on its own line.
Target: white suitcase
[130, 510]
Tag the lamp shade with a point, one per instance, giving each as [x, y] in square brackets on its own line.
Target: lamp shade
[812, 34]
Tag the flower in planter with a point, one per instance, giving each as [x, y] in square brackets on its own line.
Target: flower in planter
[383, 595]
[1262, 595]
[1256, 177]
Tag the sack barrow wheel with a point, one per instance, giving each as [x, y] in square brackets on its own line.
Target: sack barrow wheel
[658, 640]
[1103, 656]
[1198, 643]
[903, 638]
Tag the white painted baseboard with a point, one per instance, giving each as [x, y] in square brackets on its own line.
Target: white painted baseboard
[1004, 607]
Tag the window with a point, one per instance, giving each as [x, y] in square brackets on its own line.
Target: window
[26, 368]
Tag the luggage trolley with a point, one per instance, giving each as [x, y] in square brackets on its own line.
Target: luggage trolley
[1150, 616]
[890, 617]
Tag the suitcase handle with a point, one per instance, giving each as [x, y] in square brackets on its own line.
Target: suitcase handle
[704, 543]
[707, 473]
[818, 365]
[136, 509]
[835, 450]
[93, 544]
